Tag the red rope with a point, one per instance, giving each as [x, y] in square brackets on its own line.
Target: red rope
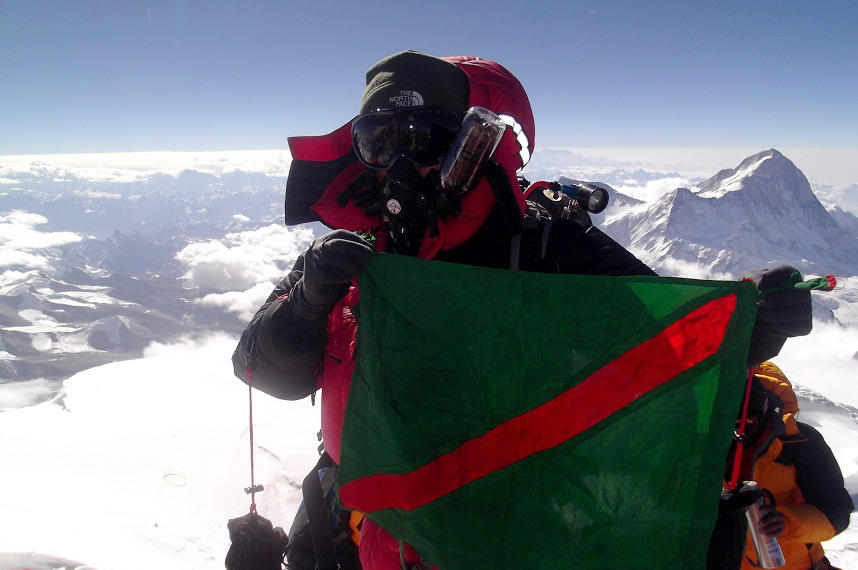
[737, 457]
[250, 406]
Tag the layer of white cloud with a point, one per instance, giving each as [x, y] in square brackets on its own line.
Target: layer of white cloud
[242, 260]
[686, 269]
[22, 394]
[208, 344]
[821, 165]
[131, 166]
[17, 258]
[244, 303]
[22, 245]
[652, 189]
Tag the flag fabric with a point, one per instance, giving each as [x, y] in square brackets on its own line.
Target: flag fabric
[503, 419]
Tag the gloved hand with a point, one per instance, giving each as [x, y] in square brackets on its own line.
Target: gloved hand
[783, 313]
[330, 263]
[736, 501]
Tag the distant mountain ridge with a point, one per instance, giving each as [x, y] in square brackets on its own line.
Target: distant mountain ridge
[120, 286]
[557, 164]
[192, 204]
[86, 312]
[846, 220]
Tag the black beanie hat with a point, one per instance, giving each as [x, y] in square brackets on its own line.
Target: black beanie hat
[411, 79]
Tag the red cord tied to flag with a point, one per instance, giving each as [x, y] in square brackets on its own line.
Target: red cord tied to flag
[735, 472]
[825, 283]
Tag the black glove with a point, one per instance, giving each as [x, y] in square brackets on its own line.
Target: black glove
[727, 544]
[736, 502]
[330, 264]
[783, 312]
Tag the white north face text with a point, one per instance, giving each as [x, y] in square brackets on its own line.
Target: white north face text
[407, 99]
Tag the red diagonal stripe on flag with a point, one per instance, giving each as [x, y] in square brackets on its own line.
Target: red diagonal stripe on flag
[618, 383]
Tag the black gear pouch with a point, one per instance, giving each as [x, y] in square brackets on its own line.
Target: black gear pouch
[321, 537]
[256, 544]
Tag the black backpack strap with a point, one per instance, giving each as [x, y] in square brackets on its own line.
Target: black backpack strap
[505, 196]
[528, 248]
[515, 252]
[546, 233]
[317, 515]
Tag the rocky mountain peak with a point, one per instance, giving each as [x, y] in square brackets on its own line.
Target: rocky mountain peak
[768, 175]
[752, 216]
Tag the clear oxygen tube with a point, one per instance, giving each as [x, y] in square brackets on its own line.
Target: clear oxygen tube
[768, 549]
[475, 143]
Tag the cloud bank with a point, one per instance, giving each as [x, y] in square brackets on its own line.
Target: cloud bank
[22, 394]
[22, 245]
[242, 267]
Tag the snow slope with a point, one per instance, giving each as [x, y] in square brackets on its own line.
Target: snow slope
[143, 462]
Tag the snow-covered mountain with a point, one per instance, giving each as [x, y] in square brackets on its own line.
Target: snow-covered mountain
[54, 326]
[759, 213]
[89, 271]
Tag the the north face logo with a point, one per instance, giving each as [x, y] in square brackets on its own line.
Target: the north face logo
[407, 99]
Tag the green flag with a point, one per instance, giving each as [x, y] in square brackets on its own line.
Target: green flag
[502, 419]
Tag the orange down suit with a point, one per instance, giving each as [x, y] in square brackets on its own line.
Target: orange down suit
[802, 474]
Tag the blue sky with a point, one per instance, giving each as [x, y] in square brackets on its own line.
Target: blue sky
[123, 75]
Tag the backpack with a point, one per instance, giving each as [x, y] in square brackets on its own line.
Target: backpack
[545, 205]
[324, 535]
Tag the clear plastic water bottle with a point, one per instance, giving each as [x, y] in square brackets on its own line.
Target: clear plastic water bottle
[476, 142]
[768, 549]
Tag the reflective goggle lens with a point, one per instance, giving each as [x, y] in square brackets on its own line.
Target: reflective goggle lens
[421, 134]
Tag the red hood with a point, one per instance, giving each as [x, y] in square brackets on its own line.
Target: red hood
[325, 171]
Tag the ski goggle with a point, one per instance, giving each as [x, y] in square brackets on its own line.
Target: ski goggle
[423, 135]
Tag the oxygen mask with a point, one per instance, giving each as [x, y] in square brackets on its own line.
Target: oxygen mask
[404, 141]
[409, 205]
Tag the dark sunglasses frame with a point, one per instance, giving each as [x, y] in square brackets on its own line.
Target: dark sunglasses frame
[422, 135]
